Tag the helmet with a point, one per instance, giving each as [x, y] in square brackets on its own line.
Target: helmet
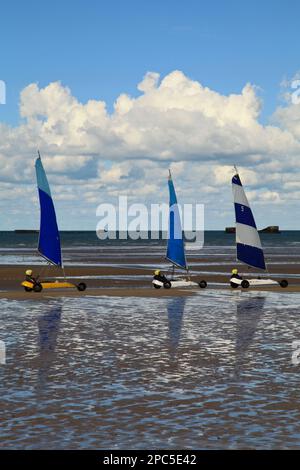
[157, 272]
[28, 272]
[234, 271]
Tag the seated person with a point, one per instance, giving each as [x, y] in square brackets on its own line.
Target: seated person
[235, 274]
[29, 276]
[159, 276]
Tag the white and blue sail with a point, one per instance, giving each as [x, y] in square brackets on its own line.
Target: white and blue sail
[175, 248]
[248, 244]
[49, 240]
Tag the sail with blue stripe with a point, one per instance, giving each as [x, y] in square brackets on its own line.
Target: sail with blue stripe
[175, 249]
[49, 239]
[248, 244]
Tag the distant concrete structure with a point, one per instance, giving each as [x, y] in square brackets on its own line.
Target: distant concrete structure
[230, 229]
[25, 231]
[269, 229]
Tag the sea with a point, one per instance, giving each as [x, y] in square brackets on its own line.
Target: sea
[21, 248]
[216, 370]
[211, 238]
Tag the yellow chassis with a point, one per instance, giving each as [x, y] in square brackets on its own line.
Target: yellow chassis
[50, 285]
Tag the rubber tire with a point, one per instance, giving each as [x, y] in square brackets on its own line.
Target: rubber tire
[167, 285]
[234, 286]
[27, 289]
[245, 284]
[81, 286]
[156, 286]
[203, 284]
[38, 288]
[284, 283]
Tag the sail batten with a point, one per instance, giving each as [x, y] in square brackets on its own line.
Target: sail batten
[175, 249]
[248, 244]
[49, 240]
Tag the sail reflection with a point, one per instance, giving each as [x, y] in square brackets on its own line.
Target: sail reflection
[48, 325]
[248, 314]
[175, 308]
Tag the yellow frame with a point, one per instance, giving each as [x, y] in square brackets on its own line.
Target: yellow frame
[50, 285]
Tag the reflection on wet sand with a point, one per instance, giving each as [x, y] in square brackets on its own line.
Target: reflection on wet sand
[248, 313]
[142, 373]
[48, 327]
[175, 309]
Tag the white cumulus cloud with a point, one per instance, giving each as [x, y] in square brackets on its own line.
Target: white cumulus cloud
[174, 121]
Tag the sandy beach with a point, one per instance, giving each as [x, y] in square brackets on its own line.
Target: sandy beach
[129, 278]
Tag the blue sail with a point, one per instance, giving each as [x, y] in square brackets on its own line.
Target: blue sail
[49, 240]
[248, 244]
[175, 249]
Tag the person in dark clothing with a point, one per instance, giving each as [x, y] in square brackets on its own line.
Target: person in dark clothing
[29, 277]
[158, 276]
[235, 274]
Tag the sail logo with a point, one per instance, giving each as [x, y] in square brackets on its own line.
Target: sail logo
[2, 353]
[296, 353]
[296, 94]
[2, 92]
[139, 221]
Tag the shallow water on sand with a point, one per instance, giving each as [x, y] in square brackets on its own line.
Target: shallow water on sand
[210, 371]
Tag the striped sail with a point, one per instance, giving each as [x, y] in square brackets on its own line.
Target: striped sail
[175, 249]
[49, 240]
[248, 244]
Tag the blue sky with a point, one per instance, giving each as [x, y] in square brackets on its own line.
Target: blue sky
[101, 50]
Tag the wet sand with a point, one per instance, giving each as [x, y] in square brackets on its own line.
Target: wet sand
[215, 371]
[124, 365]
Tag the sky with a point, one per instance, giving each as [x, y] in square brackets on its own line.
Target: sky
[114, 93]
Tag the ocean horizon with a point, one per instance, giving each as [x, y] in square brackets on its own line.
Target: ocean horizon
[73, 238]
